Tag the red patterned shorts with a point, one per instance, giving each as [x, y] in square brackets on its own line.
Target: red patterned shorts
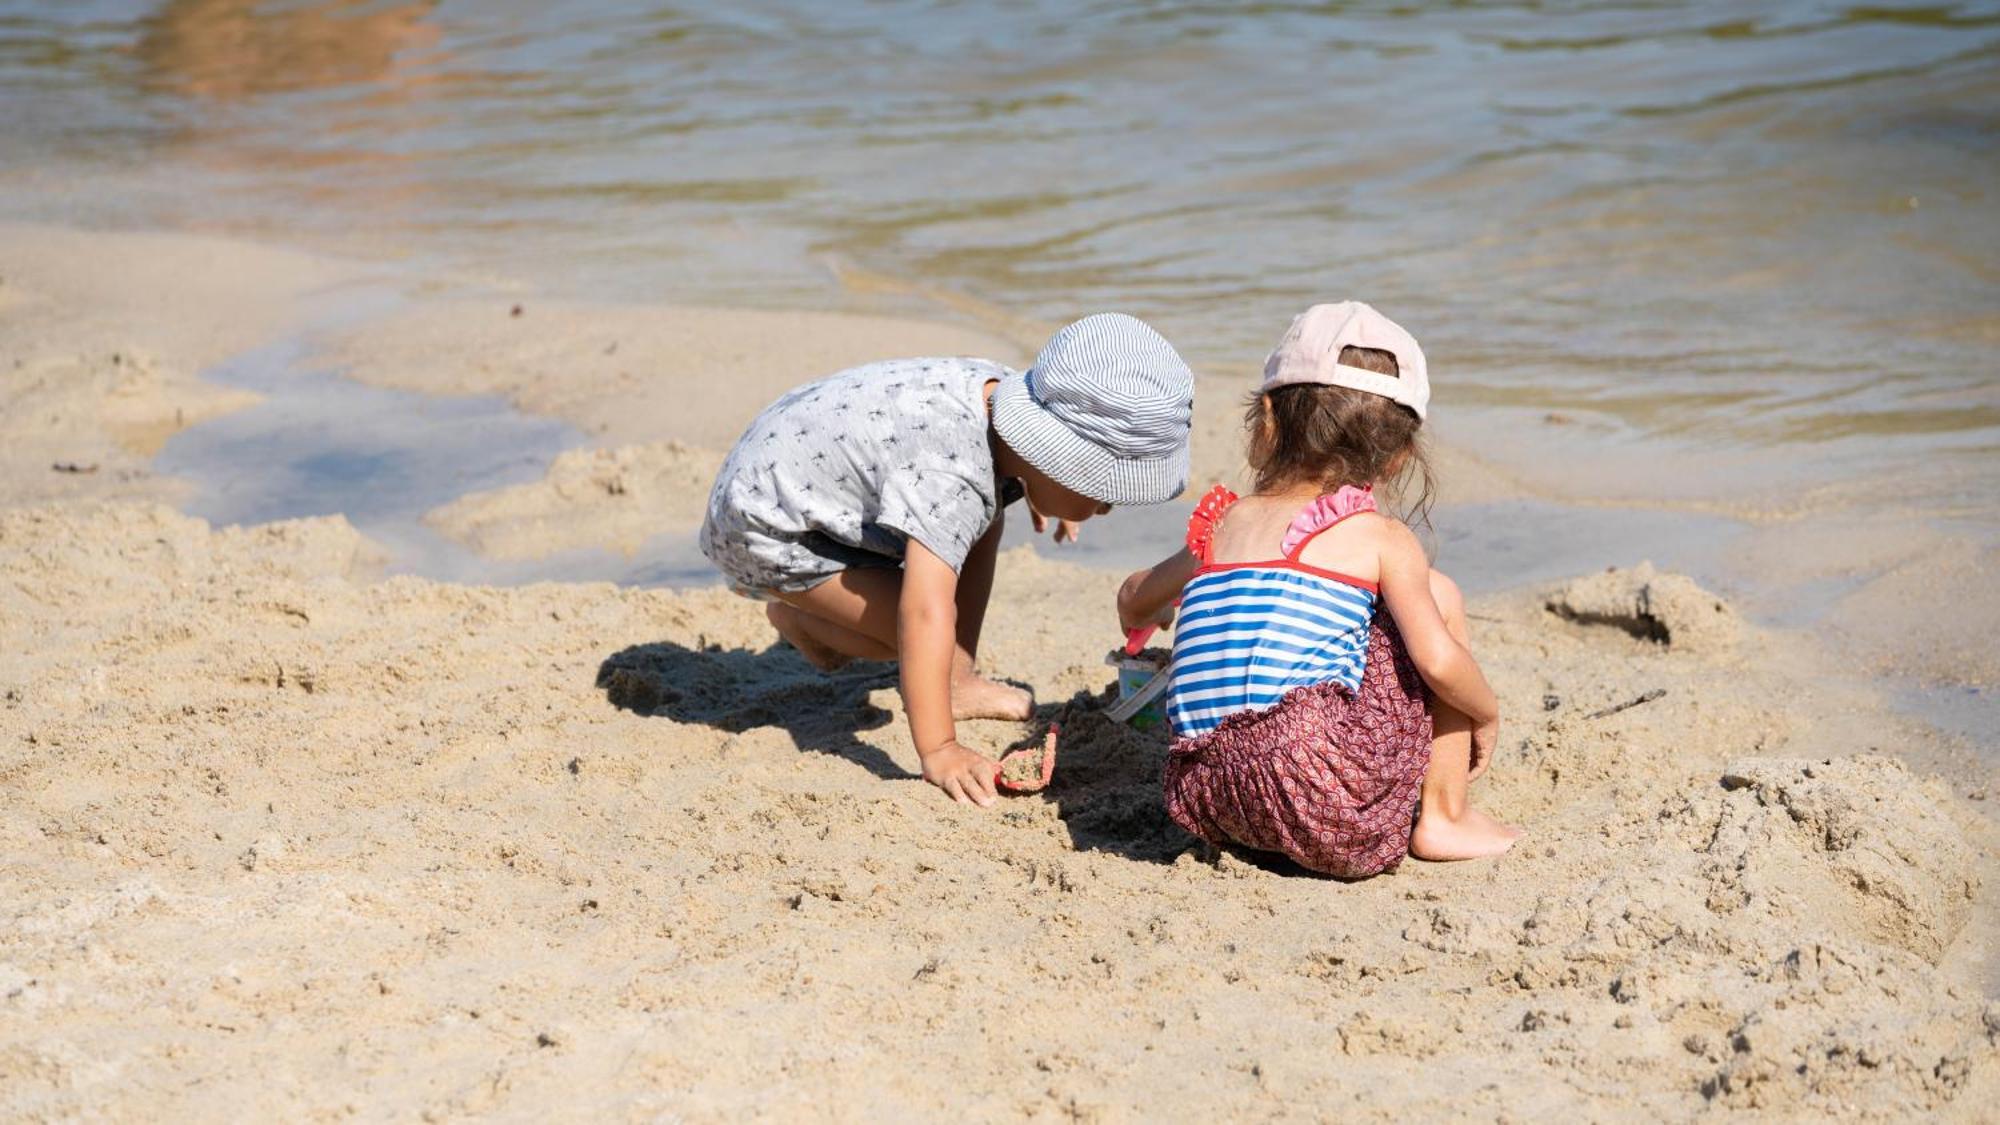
[1328, 776]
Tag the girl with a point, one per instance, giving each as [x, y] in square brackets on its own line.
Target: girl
[1300, 722]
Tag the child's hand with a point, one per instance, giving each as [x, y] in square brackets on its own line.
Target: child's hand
[1129, 612]
[1159, 620]
[1065, 529]
[1148, 597]
[967, 776]
[1485, 737]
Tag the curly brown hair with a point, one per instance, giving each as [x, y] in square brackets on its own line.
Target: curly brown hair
[1308, 433]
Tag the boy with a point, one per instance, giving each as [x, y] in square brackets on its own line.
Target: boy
[866, 508]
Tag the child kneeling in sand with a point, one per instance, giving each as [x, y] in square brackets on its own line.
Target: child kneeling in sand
[1300, 716]
[867, 507]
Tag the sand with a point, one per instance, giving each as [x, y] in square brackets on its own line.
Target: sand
[101, 338]
[618, 372]
[1665, 608]
[287, 844]
[285, 839]
[1029, 768]
[614, 499]
[1021, 769]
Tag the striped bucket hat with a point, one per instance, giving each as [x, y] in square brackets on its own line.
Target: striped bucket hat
[1103, 412]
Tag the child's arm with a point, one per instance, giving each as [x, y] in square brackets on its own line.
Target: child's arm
[1148, 594]
[1445, 665]
[926, 637]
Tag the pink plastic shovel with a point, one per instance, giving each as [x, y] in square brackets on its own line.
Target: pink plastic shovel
[1027, 781]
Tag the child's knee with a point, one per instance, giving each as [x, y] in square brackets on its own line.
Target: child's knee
[781, 617]
[1450, 602]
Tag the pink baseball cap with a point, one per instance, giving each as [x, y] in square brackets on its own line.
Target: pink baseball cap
[1309, 352]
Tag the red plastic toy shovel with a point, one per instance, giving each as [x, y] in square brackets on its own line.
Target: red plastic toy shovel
[1018, 770]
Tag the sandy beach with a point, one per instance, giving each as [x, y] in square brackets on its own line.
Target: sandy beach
[291, 837]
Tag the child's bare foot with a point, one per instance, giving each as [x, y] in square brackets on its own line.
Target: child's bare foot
[976, 697]
[790, 624]
[1474, 835]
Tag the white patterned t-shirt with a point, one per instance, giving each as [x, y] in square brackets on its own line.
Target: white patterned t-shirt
[844, 471]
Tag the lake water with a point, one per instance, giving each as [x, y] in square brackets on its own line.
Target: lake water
[1743, 224]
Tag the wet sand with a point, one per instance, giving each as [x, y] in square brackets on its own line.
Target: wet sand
[290, 839]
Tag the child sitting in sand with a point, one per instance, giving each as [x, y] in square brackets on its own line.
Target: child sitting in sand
[1300, 722]
[866, 508]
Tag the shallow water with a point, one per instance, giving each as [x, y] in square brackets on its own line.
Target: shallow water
[320, 444]
[1744, 225]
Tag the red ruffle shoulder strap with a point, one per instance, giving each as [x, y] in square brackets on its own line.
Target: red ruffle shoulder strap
[1208, 513]
[1323, 513]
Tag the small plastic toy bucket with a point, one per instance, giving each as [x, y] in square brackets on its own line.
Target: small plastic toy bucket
[1135, 673]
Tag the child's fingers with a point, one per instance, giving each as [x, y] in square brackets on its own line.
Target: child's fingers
[979, 784]
[1484, 740]
[970, 787]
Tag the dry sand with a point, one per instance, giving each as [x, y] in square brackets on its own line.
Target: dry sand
[285, 841]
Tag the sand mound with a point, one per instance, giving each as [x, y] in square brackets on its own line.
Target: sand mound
[1650, 605]
[1863, 829]
[283, 844]
[610, 498]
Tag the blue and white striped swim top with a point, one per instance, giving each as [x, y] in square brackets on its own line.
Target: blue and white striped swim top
[1250, 632]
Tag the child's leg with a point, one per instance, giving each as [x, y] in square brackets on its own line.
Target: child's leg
[1448, 827]
[853, 614]
[827, 646]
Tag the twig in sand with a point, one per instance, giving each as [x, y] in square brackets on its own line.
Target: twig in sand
[1643, 697]
[73, 467]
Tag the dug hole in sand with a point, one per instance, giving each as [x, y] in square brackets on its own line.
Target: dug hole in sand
[284, 842]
